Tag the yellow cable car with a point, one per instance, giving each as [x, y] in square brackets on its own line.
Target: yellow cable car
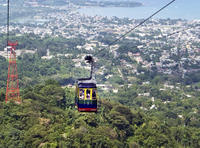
[86, 91]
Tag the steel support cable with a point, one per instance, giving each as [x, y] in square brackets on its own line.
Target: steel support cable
[181, 30]
[8, 20]
[141, 23]
[173, 33]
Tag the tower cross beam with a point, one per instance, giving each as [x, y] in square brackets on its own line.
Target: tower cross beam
[12, 90]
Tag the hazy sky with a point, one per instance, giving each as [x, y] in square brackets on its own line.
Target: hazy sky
[185, 9]
[184, 3]
[182, 8]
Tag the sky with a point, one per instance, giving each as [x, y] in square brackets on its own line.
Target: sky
[184, 9]
[180, 8]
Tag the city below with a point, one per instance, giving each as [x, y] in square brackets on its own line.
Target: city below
[155, 45]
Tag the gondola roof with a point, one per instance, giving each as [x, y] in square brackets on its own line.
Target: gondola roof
[87, 83]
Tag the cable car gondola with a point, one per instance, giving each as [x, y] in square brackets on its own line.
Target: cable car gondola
[86, 91]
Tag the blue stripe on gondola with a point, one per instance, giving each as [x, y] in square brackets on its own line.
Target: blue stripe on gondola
[87, 105]
[87, 85]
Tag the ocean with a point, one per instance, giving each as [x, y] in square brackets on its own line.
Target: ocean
[180, 9]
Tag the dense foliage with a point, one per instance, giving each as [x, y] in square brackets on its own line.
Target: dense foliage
[48, 118]
[148, 113]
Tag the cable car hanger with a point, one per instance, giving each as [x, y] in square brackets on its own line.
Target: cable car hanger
[86, 90]
[85, 98]
[89, 59]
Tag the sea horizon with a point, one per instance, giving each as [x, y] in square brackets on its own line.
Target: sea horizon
[178, 10]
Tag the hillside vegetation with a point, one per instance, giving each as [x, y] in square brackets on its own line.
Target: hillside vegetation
[47, 118]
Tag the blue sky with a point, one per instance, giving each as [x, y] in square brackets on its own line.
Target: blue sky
[185, 9]
[180, 8]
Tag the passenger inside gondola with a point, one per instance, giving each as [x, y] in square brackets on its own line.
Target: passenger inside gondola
[88, 94]
[86, 91]
[94, 94]
[81, 93]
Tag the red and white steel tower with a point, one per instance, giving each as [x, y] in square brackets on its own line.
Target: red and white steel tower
[12, 90]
